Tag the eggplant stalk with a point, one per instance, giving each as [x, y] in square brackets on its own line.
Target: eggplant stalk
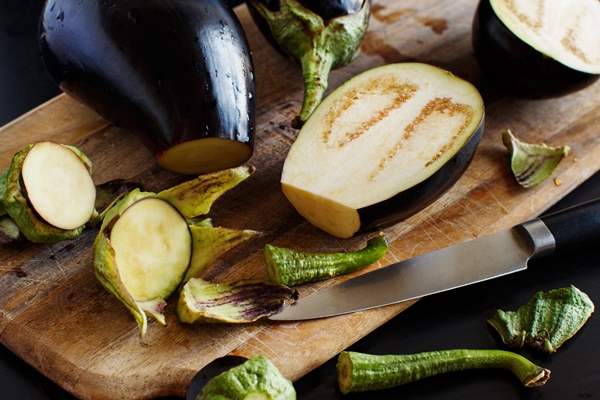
[358, 372]
[319, 46]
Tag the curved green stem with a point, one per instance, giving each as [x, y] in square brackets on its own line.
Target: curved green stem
[289, 267]
[358, 372]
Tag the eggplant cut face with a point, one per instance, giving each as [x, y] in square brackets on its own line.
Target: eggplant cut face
[382, 146]
[538, 48]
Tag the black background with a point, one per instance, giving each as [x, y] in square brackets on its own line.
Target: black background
[456, 319]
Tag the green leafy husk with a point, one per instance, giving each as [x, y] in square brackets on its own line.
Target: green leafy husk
[359, 372]
[546, 321]
[208, 243]
[9, 231]
[291, 268]
[257, 378]
[233, 302]
[532, 163]
[318, 46]
[108, 194]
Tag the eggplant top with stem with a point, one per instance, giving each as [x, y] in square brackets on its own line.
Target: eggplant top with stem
[320, 36]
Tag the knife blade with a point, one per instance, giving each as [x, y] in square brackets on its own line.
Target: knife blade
[466, 263]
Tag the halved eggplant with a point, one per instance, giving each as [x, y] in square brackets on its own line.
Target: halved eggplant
[178, 73]
[49, 192]
[538, 49]
[383, 146]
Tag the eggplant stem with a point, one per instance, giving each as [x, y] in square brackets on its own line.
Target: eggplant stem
[358, 372]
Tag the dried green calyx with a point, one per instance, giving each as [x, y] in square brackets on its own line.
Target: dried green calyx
[232, 302]
[546, 321]
[532, 163]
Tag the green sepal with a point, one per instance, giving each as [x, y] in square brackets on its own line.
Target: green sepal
[201, 301]
[257, 378]
[532, 163]
[196, 197]
[210, 243]
[318, 46]
[546, 321]
[291, 268]
[9, 231]
[107, 195]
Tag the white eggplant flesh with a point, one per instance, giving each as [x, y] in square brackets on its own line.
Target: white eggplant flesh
[394, 129]
[59, 185]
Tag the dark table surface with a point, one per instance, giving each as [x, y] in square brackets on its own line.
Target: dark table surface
[455, 319]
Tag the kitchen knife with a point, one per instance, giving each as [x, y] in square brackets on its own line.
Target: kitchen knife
[463, 264]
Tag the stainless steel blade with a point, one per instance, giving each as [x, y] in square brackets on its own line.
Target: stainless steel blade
[463, 264]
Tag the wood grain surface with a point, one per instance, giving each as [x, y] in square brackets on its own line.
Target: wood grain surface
[56, 316]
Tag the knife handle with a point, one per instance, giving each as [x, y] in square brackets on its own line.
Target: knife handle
[575, 227]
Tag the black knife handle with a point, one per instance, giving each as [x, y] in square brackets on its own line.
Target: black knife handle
[575, 227]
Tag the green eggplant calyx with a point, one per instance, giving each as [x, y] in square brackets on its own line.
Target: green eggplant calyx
[9, 231]
[257, 378]
[291, 268]
[318, 46]
[532, 163]
[546, 321]
[232, 302]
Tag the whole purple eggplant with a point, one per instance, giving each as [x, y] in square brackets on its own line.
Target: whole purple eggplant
[319, 35]
[177, 72]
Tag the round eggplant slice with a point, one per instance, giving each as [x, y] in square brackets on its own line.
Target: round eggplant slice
[538, 49]
[383, 146]
[59, 185]
[153, 248]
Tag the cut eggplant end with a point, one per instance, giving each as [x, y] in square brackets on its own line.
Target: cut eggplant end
[232, 302]
[383, 132]
[538, 49]
[153, 248]
[59, 185]
[206, 155]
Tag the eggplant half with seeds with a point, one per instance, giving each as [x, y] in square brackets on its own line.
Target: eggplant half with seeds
[319, 35]
[538, 48]
[178, 73]
[383, 146]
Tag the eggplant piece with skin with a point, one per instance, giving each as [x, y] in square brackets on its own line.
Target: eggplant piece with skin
[178, 73]
[538, 49]
[383, 146]
[320, 36]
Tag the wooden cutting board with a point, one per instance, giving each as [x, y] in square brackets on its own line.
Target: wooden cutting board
[56, 316]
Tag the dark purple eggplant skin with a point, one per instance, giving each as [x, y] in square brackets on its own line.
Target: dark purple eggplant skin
[169, 70]
[326, 9]
[516, 68]
[409, 202]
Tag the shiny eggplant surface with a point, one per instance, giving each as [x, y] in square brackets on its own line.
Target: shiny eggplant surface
[179, 73]
[516, 67]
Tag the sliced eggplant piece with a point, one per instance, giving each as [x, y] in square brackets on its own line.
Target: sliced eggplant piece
[59, 186]
[49, 192]
[538, 48]
[232, 302]
[383, 146]
[178, 73]
[147, 245]
[320, 36]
